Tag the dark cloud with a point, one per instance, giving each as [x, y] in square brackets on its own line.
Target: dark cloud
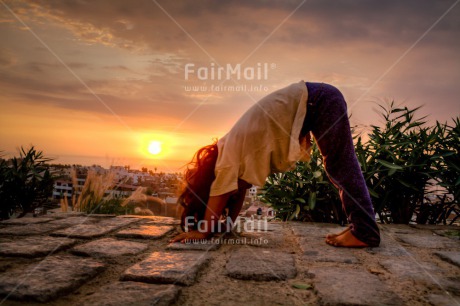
[7, 58]
[151, 102]
[224, 22]
[361, 32]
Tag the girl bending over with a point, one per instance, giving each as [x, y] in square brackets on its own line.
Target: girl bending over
[270, 137]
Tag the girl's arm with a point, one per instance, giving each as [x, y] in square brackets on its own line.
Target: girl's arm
[214, 209]
[235, 208]
[216, 205]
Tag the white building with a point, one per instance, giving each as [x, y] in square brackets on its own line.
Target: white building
[62, 188]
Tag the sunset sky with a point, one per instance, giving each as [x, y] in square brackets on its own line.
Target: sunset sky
[95, 82]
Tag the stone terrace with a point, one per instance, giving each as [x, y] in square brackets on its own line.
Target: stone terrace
[74, 259]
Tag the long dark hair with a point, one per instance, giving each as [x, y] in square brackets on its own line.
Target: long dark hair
[198, 179]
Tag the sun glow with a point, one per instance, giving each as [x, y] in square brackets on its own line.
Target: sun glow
[170, 150]
[154, 147]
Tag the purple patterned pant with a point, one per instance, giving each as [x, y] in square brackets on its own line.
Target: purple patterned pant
[327, 119]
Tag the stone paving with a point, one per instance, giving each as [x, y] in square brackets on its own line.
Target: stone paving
[76, 259]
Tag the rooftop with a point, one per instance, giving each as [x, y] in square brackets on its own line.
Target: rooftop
[77, 259]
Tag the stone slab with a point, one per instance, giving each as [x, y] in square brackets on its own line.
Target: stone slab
[205, 245]
[100, 216]
[30, 229]
[346, 286]
[451, 257]
[453, 234]
[155, 219]
[117, 222]
[164, 220]
[256, 225]
[75, 220]
[168, 267]
[315, 249]
[61, 214]
[85, 231]
[26, 220]
[443, 299]
[5, 264]
[411, 269]
[329, 256]
[269, 226]
[133, 293]
[35, 246]
[269, 239]
[318, 230]
[48, 279]
[251, 263]
[429, 241]
[398, 229]
[434, 227]
[389, 246]
[451, 284]
[147, 231]
[109, 247]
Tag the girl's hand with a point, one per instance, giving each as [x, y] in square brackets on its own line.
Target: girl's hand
[189, 236]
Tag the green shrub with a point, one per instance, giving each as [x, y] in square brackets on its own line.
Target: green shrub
[304, 193]
[25, 183]
[397, 163]
[400, 161]
[448, 159]
[444, 208]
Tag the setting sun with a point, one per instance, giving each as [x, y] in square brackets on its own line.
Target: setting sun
[154, 147]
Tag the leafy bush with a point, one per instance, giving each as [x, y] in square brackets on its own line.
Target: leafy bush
[400, 161]
[397, 163]
[437, 211]
[304, 193]
[25, 183]
[448, 159]
[447, 175]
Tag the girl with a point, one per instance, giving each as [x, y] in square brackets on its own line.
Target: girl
[270, 137]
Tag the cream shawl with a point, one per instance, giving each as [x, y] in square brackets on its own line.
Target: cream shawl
[263, 141]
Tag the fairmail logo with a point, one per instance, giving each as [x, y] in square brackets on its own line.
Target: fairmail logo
[215, 72]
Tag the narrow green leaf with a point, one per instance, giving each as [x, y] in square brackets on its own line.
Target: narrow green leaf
[450, 153]
[391, 172]
[312, 200]
[408, 185]
[295, 214]
[373, 193]
[389, 165]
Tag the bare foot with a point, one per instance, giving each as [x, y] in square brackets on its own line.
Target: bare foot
[346, 239]
[329, 236]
